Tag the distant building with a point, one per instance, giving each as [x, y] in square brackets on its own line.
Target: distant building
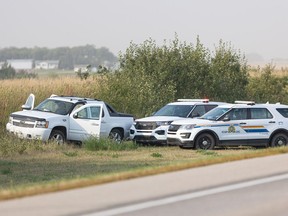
[47, 64]
[82, 68]
[21, 64]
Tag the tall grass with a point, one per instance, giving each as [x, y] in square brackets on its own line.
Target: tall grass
[13, 147]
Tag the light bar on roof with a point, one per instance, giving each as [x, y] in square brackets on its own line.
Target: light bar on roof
[194, 100]
[245, 102]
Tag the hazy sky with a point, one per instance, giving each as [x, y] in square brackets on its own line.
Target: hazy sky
[252, 26]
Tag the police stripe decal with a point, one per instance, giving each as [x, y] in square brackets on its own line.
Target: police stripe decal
[247, 129]
[255, 129]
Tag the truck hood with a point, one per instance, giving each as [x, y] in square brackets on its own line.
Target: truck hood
[159, 118]
[34, 114]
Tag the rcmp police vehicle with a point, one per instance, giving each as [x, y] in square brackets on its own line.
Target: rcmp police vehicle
[245, 123]
[153, 129]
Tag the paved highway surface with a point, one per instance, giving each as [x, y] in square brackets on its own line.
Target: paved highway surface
[248, 187]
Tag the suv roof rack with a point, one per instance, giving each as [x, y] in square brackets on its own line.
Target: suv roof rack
[194, 100]
[245, 102]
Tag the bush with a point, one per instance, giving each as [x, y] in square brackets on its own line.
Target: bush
[151, 76]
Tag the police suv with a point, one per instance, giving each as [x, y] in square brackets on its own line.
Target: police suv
[153, 129]
[245, 123]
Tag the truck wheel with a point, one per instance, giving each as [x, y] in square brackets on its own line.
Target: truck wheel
[205, 141]
[279, 139]
[116, 135]
[57, 136]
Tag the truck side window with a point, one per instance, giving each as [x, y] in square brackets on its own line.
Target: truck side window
[83, 114]
[95, 112]
[77, 106]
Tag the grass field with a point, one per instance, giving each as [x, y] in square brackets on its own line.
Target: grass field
[30, 167]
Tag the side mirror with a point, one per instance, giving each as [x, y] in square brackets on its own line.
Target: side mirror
[26, 107]
[75, 115]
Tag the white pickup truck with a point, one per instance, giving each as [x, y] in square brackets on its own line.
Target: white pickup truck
[62, 118]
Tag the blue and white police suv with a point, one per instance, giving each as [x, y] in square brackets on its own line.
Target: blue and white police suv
[245, 123]
[153, 129]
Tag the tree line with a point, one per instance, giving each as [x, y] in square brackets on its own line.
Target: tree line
[68, 57]
[150, 76]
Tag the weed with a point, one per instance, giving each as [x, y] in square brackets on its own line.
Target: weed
[207, 152]
[70, 153]
[6, 171]
[115, 155]
[156, 155]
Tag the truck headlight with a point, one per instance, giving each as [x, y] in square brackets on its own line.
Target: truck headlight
[10, 120]
[42, 124]
[188, 127]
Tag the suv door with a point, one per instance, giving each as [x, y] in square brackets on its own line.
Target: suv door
[229, 127]
[260, 125]
[85, 122]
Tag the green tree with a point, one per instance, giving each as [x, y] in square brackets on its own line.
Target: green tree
[268, 87]
[151, 75]
[228, 74]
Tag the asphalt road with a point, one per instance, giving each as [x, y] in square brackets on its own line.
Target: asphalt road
[248, 187]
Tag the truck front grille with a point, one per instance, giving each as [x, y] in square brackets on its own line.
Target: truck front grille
[24, 124]
[23, 121]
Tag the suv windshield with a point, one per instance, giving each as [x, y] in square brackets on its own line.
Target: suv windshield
[215, 113]
[54, 106]
[175, 110]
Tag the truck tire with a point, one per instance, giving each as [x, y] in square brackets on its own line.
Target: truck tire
[116, 135]
[57, 136]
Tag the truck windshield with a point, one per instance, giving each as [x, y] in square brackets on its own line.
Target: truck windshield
[175, 110]
[215, 113]
[54, 106]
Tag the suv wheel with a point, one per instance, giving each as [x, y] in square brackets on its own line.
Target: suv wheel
[205, 141]
[279, 139]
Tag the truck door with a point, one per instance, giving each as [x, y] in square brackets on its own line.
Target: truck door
[85, 122]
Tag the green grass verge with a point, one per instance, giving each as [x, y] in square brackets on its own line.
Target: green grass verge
[31, 167]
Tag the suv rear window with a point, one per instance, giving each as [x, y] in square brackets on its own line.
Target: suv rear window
[283, 112]
[260, 113]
